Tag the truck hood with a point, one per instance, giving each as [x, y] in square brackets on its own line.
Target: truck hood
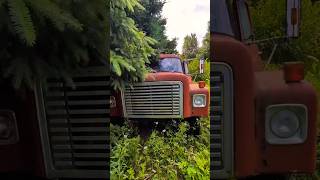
[169, 76]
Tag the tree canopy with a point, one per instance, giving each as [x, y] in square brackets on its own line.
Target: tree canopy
[153, 24]
[202, 52]
[190, 46]
[138, 36]
[41, 38]
[130, 47]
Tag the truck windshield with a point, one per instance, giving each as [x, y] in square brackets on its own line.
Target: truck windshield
[220, 19]
[170, 65]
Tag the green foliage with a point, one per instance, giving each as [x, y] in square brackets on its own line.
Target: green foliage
[41, 38]
[190, 46]
[268, 24]
[131, 48]
[19, 11]
[169, 46]
[204, 50]
[153, 24]
[193, 67]
[59, 17]
[21, 19]
[164, 155]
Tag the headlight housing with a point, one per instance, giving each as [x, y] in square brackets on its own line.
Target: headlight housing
[8, 128]
[286, 124]
[199, 100]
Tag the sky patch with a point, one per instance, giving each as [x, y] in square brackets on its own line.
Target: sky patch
[185, 17]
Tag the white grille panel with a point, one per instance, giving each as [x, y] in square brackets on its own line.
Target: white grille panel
[221, 121]
[74, 125]
[161, 99]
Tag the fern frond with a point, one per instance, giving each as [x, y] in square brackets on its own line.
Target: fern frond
[20, 17]
[118, 63]
[116, 68]
[54, 13]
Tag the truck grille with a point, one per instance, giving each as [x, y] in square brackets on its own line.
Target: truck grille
[221, 122]
[74, 125]
[161, 99]
[216, 121]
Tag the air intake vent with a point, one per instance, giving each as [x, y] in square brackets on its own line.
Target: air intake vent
[216, 121]
[74, 125]
[161, 99]
[221, 121]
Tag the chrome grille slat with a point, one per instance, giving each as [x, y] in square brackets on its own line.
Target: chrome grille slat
[161, 99]
[160, 91]
[74, 125]
[147, 104]
[221, 121]
[148, 108]
[160, 94]
[88, 93]
[142, 86]
[134, 99]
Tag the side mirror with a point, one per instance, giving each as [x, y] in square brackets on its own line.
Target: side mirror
[185, 66]
[201, 66]
[293, 18]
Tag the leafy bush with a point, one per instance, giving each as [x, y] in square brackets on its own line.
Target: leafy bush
[194, 70]
[41, 38]
[130, 47]
[164, 155]
[268, 24]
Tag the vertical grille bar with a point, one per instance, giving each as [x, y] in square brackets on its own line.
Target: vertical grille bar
[74, 125]
[221, 121]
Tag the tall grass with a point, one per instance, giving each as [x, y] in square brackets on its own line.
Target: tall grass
[164, 155]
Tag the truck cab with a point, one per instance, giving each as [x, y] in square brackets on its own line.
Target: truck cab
[168, 92]
[262, 122]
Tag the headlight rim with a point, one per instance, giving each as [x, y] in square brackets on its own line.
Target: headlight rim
[13, 127]
[301, 110]
[204, 101]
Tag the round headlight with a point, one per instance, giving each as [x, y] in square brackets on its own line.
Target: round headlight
[284, 124]
[199, 100]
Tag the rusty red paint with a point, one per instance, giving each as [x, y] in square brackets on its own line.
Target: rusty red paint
[271, 88]
[26, 155]
[163, 56]
[189, 88]
[254, 90]
[240, 58]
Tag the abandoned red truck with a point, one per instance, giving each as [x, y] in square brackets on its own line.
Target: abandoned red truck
[56, 131]
[168, 92]
[262, 122]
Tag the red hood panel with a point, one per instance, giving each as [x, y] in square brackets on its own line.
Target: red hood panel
[168, 76]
